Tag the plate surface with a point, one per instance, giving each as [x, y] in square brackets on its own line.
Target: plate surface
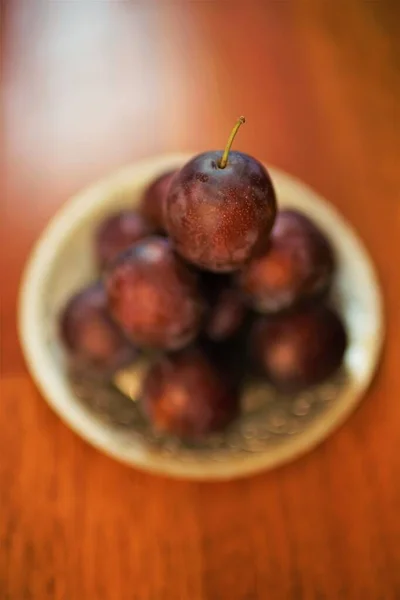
[274, 429]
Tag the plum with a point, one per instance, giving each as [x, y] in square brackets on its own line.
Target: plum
[152, 203]
[299, 349]
[298, 265]
[226, 315]
[90, 335]
[117, 232]
[185, 395]
[155, 296]
[220, 209]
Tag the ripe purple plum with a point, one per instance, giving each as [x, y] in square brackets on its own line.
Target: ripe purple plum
[220, 209]
[117, 232]
[152, 204]
[155, 296]
[184, 395]
[90, 335]
[226, 315]
[297, 266]
[299, 349]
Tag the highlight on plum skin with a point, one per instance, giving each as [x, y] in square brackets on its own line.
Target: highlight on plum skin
[90, 335]
[299, 349]
[117, 232]
[297, 266]
[152, 202]
[154, 296]
[185, 395]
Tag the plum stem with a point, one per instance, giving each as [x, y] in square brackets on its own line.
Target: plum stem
[224, 160]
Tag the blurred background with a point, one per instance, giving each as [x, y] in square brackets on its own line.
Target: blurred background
[88, 86]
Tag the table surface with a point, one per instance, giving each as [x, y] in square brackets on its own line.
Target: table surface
[88, 86]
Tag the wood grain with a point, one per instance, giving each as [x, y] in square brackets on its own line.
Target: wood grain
[88, 86]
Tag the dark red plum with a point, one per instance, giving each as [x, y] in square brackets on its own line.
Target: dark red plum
[299, 349]
[185, 395]
[117, 232]
[297, 266]
[152, 204]
[226, 315]
[155, 296]
[90, 335]
[220, 209]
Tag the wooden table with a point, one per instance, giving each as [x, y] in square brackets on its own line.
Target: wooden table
[88, 86]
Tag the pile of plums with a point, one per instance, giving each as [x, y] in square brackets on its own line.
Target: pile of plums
[212, 283]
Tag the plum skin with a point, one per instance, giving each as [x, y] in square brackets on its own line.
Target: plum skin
[184, 395]
[297, 266]
[152, 203]
[299, 349]
[226, 315]
[226, 310]
[154, 295]
[90, 335]
[117, 232]
[218, 218]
